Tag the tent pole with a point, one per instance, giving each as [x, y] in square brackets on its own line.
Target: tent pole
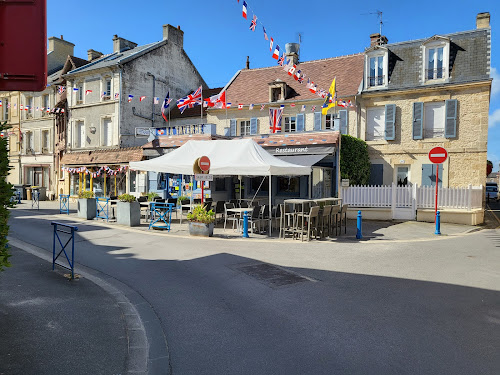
[310, 186]
[270, 206]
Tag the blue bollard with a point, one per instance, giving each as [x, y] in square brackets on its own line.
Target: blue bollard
[245, 225]
[438, 223]
[359, 226]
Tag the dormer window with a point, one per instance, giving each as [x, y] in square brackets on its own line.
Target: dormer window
[277, 91]
[436, 59]
[376, 67]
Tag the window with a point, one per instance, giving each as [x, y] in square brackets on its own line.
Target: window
[330, 122]
[45, 141]
[45, 104]
[79, 134]
[277, 91]
[30, 109]
[107, 132]
[402, 176]
[376, 175]
[436, 59]
[275, 94]
[79, 94]
[245, 127]
[289, 186]
[30, 142]
[376, 77]
[4, 110]
[434, 120]
[106, 94]
[290, 124]
[376, 67]
[259, 185]
[435, 63]
[375, 123]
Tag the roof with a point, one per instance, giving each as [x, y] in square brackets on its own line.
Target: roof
[252, 85]
[195, 111]
[178, 140]
[296, 139]
[107, 156]
[117, 58]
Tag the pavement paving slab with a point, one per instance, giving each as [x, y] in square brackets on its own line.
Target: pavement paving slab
[52, 325]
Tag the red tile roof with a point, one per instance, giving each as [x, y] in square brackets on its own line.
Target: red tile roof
[109, 156]
[252, 85]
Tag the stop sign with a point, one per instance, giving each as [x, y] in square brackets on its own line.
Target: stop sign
[438, 155]
[204, 163]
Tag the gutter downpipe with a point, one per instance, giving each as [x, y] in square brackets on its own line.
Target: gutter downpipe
[119, 107]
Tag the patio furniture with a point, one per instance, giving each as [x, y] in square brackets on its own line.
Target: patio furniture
[219, 210]
[334, 216]
[161, 215]
[324, 221]
[231, 216]
[238, 213]
[342, 219]
[253, 220]
[311, 219]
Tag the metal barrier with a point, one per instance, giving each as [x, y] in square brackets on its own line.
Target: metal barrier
[64, 204]
[67, 229]
[161, 215]
[35, 199]
[102, 208]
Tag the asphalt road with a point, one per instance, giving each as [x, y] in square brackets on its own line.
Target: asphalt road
[243, 307]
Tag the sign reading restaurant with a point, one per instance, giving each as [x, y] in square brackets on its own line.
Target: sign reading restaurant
[297, 150]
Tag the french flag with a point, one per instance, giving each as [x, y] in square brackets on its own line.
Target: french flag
[244, 12]
[276, 53]
[142, 98]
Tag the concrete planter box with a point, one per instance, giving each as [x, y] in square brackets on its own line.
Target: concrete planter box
[87, 208]
[128, 214]
[201, 229]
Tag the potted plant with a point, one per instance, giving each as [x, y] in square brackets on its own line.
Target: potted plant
[201, 222]
[86, 205]
[151, 196]
[128, 210]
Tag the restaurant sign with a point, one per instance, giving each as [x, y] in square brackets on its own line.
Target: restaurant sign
[300, 150]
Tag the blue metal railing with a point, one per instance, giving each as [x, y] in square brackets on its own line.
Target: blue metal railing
[64, 204]
[161, 215]
[35, 199]
[102, 208]
[66, 229]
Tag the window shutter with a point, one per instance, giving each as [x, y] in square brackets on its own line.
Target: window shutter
[300, 122]
[344, 121]
[232, 128]
[418, 111]
[450, 126]
[376, 174]
[253, 125]
[317, 120]
[390, 122]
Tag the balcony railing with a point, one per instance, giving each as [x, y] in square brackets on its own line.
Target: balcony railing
[376, 81]
[435, 73]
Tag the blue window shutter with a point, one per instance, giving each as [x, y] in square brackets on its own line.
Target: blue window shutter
[450, 126]
[418, 114]
[429, 174]
[253, 125]
[317, 120]
[376, 174]
[232, 128]
[344, 121]
[390, 122]
[300, 122]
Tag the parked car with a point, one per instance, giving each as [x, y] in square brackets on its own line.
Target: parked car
[491, 191]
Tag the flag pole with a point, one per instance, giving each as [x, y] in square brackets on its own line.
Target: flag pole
[201, 105]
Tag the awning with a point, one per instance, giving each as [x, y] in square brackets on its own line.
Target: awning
[305, 160]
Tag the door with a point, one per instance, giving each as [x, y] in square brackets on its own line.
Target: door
[403, 202]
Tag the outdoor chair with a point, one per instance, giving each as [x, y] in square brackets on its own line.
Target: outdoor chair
[253, 220]
[142, 199]
[342, 219]
[264, 215]
[288, 219]
[197, 201]
[324, 221]
[232, 216]
[312, 223]
[334, 217]
[235, 202]
[219, 210]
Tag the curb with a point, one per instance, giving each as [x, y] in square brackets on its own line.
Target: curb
[147, 346]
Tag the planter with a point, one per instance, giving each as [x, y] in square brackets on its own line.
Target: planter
[201, 229]
[128, 213]
[87, 208]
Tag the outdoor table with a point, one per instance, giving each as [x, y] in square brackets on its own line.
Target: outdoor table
[295, 215]
[240, 211]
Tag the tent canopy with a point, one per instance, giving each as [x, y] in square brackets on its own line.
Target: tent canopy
[227, 158]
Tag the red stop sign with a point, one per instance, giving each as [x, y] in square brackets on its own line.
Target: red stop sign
[438, 155]
[204, 163]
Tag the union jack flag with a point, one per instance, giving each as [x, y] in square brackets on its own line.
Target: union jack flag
[262, 107]
[61, 89]
[275, 115]
[117, 95]
[281, 60]
[253, 25]
[190, 101]
[313, 108]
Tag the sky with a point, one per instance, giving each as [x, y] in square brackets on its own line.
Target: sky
[217, 38]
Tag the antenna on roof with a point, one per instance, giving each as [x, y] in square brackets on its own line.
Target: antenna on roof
[379, 15]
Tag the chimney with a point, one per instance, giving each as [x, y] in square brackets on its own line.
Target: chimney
[92, 54]
[174, 35]
[292, 52]
[377, 40]
[248, 63]
[121, 44]
[483, 20]
[57, 53]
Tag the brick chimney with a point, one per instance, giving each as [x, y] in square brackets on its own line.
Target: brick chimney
[483, 20]
[174, 35]
[58, 51]
[121, 44]
[292, 52]
[377, 40]
[92, 54]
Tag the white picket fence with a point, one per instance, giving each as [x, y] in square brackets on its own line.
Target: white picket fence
[462, 198]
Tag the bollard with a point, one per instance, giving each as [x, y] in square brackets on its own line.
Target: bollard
[438, 223]
[359, 226]
[245, 224]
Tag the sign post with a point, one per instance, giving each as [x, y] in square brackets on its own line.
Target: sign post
[437, 156]
[202, 167]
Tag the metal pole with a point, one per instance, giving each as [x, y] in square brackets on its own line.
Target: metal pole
[153, 103]
[359, 234]
[54, 247]
[245, 224]
[437, 184]
[270, 207]
[438, 223]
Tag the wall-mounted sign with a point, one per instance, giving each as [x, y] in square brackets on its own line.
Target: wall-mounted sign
[204, 177]
[345, 182]
[299, 150]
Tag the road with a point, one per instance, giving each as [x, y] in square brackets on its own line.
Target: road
[258, 307]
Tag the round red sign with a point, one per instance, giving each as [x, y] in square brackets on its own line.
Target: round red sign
[438, 155]
[204, 163]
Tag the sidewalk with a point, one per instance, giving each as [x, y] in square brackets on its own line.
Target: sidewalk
[50, 325]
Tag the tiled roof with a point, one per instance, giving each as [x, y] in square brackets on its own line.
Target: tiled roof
[195, 111]
[171, 141]
[252, 85]
[107, 156]
[295, 139]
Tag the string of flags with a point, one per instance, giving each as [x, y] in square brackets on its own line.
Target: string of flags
[103, 170]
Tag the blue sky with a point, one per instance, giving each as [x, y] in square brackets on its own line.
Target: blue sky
[217, 38]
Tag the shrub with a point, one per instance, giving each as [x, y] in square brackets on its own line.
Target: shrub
[86, 195]
[126, 198]
[6, 193]
[181, 199]
[200, 215]
[151, 196]
[354, 160]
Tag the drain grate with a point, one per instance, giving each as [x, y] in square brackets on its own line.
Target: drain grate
[272, 275]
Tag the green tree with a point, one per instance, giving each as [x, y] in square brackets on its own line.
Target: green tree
[489, 167]
[5, 199]
[354, 160]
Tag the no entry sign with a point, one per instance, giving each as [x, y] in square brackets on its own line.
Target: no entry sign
[204, 163]
[438, 155]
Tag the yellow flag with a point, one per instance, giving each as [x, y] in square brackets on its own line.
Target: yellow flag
[331, 98]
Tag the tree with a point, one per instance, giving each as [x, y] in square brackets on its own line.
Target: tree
[354, 160]
[5, 199]
[489, 167]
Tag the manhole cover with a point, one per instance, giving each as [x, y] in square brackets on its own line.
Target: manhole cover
[272, 275]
